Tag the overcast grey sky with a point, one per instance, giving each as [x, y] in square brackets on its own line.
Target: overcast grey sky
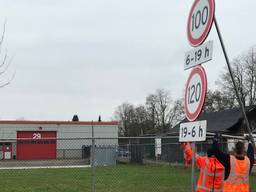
[86, 57]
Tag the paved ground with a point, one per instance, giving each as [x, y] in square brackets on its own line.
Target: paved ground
[43, 163]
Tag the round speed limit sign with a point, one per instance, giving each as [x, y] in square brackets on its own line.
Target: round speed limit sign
[196, 88]
[200, 21]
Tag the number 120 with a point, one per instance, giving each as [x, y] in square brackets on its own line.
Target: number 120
[194, 93]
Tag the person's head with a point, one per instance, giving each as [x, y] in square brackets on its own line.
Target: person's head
[210, 152]
[239, 149]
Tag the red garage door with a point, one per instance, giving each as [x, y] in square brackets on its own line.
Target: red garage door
[36, 147]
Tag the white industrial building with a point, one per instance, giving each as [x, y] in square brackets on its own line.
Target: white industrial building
[32, 140]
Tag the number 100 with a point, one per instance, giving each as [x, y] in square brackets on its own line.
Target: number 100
[199, 17]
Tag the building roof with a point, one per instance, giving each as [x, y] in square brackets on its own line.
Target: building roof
[221, 121]
[27, 122]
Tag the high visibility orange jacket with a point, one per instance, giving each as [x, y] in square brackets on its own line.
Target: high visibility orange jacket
[238, 179]
[211, 176]
[187, 152]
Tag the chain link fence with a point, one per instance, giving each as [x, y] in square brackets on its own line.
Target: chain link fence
[97, 164]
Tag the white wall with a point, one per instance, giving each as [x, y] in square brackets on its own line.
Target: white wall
[66, 131]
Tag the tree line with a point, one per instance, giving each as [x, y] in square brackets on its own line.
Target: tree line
[160, 112]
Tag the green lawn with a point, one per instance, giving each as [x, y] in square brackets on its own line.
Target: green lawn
[121, 178]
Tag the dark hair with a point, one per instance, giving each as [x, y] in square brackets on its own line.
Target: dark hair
[210, 152]
[239, 149]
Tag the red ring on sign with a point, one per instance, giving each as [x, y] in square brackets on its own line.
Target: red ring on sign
[201, 72]
[196, 42]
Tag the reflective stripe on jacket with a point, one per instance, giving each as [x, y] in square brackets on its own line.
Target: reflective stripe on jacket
[211, 176]
[238, 179]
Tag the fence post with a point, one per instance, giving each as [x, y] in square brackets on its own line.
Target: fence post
[93, 159]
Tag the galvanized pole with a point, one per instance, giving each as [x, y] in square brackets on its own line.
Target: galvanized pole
[193, 176]
[93, 159]
[248, 127]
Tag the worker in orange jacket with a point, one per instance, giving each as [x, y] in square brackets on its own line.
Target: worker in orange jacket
[187, 151]
[211, 176]
[237, 167]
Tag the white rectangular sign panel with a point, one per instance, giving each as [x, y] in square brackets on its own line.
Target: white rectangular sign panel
[158, 146]
[193, 131]
[199, 55]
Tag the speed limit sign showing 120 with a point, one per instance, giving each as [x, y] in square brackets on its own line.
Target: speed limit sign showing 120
[196, 88]
[200, 21]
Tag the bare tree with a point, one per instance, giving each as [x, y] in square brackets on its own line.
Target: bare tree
[133, 120]
[159, 109]
[124, 114]
[163, 112]
[164, 107]
[158, 115]
[217, 101]
[244, 71]
[142, 124]
[177, 112]
[249, 60]
[5, 61]
[152, 112]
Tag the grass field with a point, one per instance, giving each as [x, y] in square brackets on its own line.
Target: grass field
[121, 178]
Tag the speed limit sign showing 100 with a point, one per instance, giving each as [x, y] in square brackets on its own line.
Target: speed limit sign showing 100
[200, 21]
[196, 88]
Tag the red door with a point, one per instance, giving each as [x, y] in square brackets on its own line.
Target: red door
[36, 147]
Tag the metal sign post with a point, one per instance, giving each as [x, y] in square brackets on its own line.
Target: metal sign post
[193, 131]
[248, 127]
[199, 24]
[193, 180]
